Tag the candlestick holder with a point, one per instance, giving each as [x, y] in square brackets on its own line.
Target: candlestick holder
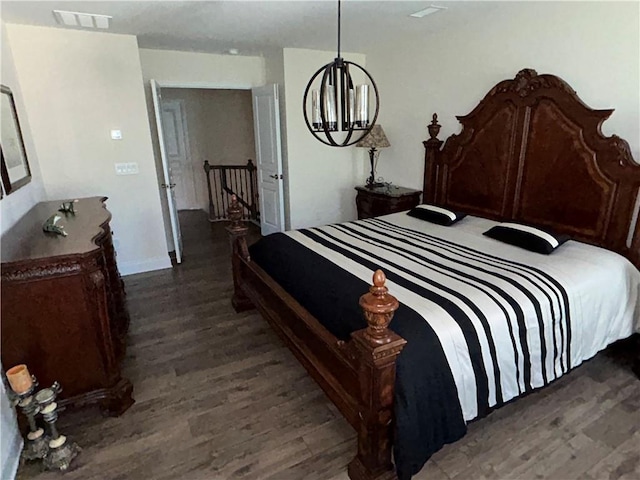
[62, 451]
[37, 444]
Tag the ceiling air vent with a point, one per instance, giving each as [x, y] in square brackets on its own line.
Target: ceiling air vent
[85, 20]
[427, 11]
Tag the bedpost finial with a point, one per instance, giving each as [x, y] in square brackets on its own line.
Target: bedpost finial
[379, 278]
[234, 213]
[378, 307]
[434, 126]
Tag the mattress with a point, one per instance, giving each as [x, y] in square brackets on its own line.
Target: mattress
[485, 321]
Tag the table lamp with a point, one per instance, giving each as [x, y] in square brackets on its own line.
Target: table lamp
[374, 141]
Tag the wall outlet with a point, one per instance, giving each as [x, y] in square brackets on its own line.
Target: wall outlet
[116, 134]
[127, 168]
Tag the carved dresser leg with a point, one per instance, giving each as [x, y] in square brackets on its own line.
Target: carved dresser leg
[118, 398]
[378, 349]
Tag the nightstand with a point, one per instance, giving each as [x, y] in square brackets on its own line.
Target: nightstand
[373, 202]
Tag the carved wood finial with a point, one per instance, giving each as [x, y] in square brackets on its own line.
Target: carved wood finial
[237, 229]
[526, 74]
[434, 127]
[207, 167]
[527, 81]
[378, 307]
[234, 213]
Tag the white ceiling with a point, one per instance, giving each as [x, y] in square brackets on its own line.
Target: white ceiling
[254, 27]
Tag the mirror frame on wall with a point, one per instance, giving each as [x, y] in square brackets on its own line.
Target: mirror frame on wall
[12, 134]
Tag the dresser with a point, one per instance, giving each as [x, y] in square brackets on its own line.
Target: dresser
[374, 202]
[63, 305]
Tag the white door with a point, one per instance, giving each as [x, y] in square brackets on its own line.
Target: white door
[176, 147]
[168, 185]
[266, 124]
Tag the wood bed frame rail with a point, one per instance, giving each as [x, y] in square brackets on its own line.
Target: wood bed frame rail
[358, 375]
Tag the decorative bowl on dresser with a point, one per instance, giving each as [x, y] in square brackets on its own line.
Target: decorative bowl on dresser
[63, 304]
[377, 201]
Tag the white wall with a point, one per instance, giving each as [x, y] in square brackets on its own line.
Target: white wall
[15, 205]
[76, 87]
[197, 70]
[321, 179]
[594, 46]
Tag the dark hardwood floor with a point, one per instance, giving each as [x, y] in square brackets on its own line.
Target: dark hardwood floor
[218, 396]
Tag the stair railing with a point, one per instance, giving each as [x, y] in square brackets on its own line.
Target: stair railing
[226, 180]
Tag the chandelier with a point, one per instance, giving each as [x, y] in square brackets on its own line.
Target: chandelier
[338, 105]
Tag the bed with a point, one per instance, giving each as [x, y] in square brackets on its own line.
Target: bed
[475, 323]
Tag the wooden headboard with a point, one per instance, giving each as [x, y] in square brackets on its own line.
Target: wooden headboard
[533, 152]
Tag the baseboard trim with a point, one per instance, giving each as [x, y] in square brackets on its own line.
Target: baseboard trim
[149, 265]
[10, 468]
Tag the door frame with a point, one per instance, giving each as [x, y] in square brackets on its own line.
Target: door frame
[160, 84]
[206, 85]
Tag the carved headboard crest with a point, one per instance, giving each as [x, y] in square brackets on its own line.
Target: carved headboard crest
[533, 152]
[527, 80]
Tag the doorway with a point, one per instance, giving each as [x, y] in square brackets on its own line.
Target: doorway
[218, 128]
[215, 124]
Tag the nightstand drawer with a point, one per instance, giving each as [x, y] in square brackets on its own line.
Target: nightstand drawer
[385, 200]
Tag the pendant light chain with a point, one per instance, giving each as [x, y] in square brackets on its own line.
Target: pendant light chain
[339, 24]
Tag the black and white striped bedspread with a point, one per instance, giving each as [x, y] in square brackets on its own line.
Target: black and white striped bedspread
[500, 320]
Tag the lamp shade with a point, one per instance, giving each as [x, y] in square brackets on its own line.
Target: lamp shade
[375, 139]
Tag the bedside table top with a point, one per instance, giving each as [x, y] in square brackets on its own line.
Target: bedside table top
[389, 190]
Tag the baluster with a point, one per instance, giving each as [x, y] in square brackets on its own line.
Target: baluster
[234, 189]
[227, 185]
[238, 189]
[251, 168]
[216, 192]
[246, 193]
[212, 212]
[223, 209]
[221, 213]
[217, 189]
[234, 181]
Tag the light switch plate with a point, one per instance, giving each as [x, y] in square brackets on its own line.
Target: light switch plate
[127, 168]
[116, 134]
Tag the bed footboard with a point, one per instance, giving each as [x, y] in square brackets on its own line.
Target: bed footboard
[358, 376]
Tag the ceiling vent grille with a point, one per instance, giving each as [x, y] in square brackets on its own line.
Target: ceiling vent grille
[84, 20]
[428, 11]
